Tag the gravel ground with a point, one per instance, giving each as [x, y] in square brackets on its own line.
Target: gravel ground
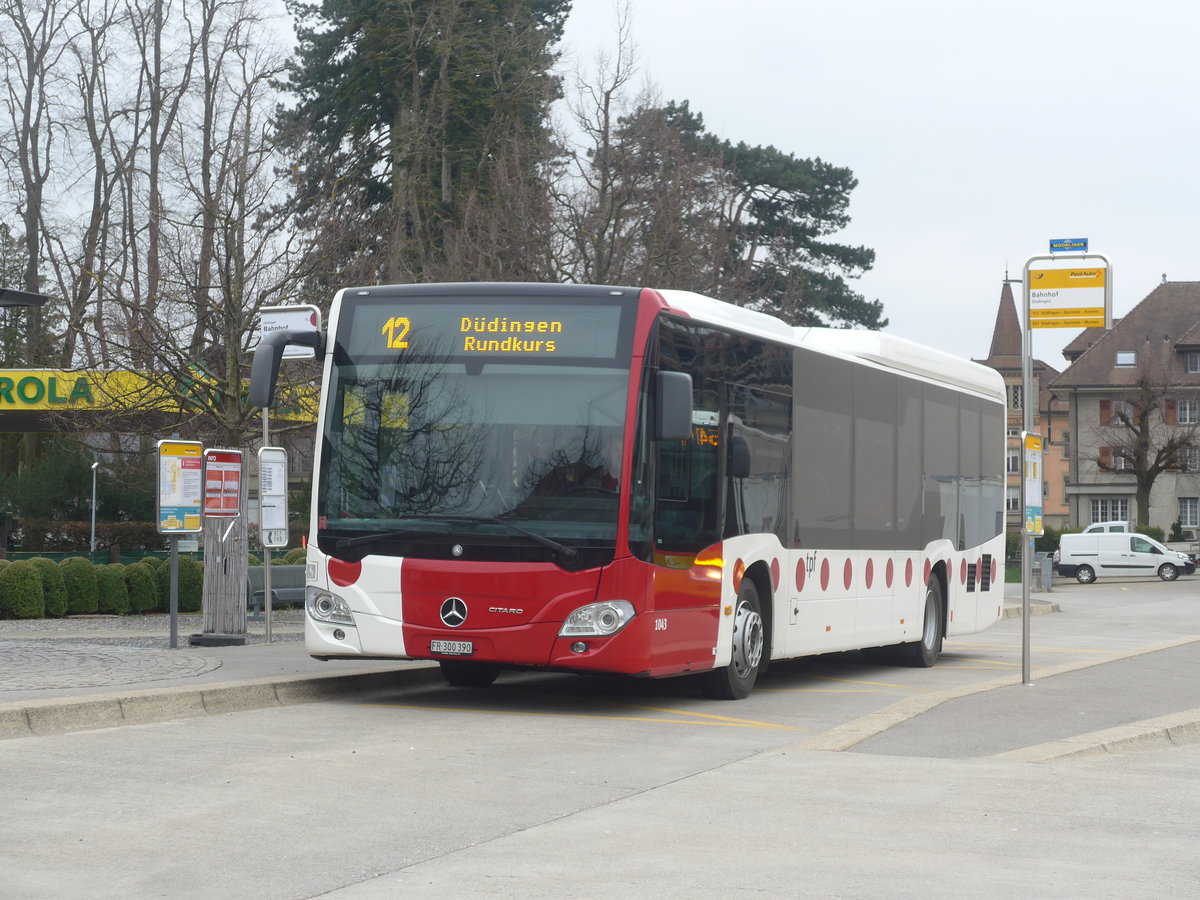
[148, 632]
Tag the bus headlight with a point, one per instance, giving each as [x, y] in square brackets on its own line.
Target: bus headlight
[598, 619]
[326, 607]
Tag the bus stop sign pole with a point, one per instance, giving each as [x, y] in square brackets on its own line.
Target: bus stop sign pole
[1069, 294]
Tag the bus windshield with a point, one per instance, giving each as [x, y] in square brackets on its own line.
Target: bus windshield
[436, 442]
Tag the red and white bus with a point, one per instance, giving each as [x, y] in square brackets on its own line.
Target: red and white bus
[649, 482]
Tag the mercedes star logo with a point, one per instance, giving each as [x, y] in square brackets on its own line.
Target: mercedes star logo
[453, 612]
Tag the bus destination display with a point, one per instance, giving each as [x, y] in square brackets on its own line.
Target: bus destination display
[493, 329]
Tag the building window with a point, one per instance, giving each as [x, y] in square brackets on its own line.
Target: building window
[1110, 510]
[1189, 512]
[1013, 463]
[1189, 459]
[1126, 359]
[1016, 396]
[1014, 431]
[1192, 361]
[1189, 411]
[1012, 499]
[1116, 413]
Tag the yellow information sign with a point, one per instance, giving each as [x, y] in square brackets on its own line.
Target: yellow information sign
[1067, 278]
[1067, 298]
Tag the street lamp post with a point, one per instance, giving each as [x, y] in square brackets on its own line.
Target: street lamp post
[95, 466]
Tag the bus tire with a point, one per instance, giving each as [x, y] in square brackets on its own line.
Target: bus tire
[924, 653]
[461, 673]
[736, 680]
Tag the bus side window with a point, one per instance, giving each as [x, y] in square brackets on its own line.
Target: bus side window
[688, 497]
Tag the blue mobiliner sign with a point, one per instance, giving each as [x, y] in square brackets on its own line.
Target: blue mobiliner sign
[1069, 245]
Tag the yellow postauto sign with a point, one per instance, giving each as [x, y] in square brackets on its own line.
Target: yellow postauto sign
[1067, 298]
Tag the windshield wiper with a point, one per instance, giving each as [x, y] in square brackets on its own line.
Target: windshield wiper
[345, 542]
[561, 549]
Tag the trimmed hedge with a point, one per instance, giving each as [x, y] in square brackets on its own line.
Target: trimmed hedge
[43, 536]
[83, 592]
[114, 593]
[21, 595]
[191, 585]
[53, 586]
[142, 582]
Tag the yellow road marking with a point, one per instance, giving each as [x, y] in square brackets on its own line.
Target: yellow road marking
[698, 718]
[700, 715]
[991, 663]
[1017, 647]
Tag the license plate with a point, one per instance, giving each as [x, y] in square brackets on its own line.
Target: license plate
[452, 648]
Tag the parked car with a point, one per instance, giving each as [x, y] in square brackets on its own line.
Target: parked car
[1106, 527]
[1090, 556]
[1189, 545]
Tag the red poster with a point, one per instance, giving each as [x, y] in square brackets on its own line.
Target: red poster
[222, 482]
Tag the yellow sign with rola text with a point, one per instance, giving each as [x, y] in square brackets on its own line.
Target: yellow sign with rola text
[25, 390]
[44, 390]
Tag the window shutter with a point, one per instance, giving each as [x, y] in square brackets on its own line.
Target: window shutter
[1106, 458]
[1171, 412]
[1105, 412]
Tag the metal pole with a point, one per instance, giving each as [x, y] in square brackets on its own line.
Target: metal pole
[95, 465]
[1026, 541]
[262, 535]
[174, 591]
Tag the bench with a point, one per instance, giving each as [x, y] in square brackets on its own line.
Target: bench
[287, 585]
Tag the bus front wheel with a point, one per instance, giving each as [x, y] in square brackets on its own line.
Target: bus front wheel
[736, 680]
[923, 653]
[468, 674]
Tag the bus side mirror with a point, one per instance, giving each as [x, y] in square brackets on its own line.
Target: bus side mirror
[673, 406]
[739, 456]
[264, 371]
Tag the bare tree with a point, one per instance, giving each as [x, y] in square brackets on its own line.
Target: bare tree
[1141, 436]
[34, 39]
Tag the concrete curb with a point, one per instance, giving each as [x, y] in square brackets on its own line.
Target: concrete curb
[848, 735]
[63, 715]
[1175, 729]
[1036, 608]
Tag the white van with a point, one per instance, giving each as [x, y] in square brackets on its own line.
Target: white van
[1107, 526]
[1088, 556]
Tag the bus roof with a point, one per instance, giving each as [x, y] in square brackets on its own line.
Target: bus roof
[885, 350]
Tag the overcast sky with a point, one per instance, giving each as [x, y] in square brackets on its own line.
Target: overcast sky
[977, 131]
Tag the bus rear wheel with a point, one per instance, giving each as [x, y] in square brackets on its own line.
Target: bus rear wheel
[461, 673]
[924, 653]
[736, 680]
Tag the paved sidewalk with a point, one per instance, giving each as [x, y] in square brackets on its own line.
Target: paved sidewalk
[59, 675]
[62, 675]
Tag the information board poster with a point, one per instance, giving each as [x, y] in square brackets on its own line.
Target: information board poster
[180, 486]
[272, 496]
[1032, 448]
[222, 482]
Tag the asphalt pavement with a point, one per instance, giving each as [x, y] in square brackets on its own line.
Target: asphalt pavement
[87, 672]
